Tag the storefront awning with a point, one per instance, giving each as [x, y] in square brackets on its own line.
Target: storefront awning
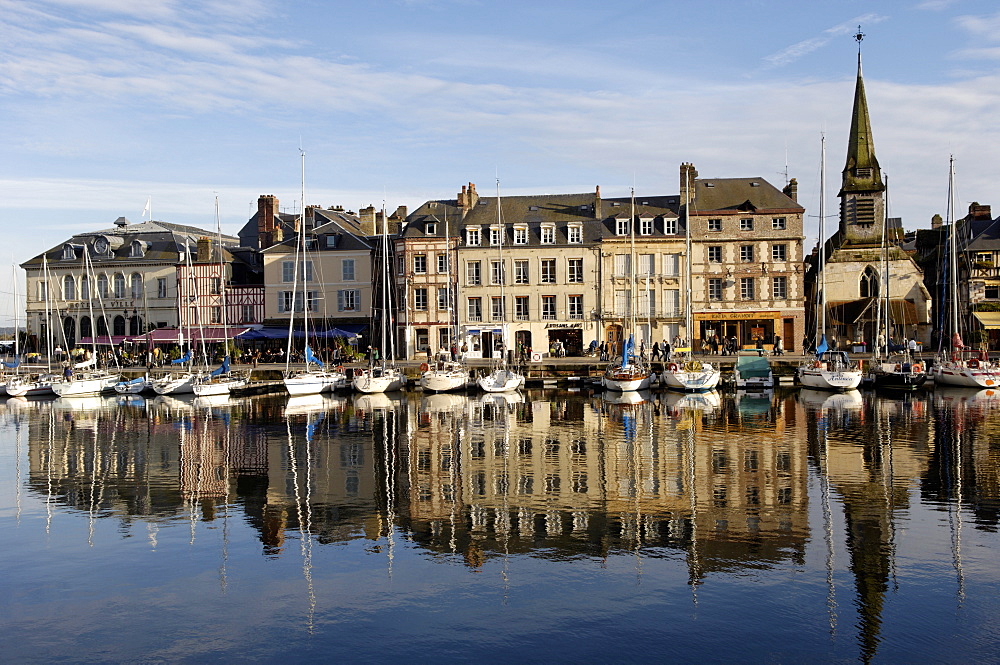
[102, 340]
[990, 320]
[172, 335]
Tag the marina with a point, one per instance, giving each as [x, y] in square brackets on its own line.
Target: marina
[836, 526]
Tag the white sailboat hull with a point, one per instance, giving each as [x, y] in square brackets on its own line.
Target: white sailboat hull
[381, 380]
[218, 387]
[86, 385]
[175, 384]
[691, 377]
[501, 381]
[20, 387]
[959, 375]
[444, 380]
[824, 379]
[306, 383]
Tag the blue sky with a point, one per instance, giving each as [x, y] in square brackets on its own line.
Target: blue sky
[105, 103]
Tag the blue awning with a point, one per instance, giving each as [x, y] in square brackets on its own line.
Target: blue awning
[353, 328]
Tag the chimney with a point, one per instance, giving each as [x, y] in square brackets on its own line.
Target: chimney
[204, 250]
[267, 207]
[936, 222]
[310, 218]
[977, 211]
[471, 199]
[461, 199]
[368, 219]
[791, 190]
[598, 212]
[688, 177]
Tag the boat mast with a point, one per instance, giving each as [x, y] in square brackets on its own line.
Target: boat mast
[388, 341]
[953, 252]
[821, 319]
[89, 270]
[689, 198]
[633, 294]
[222, 282]
[48, 313]
[503, 297]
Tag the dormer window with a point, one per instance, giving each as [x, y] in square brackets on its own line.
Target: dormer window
[138, 249]
[670, 226]
[496, 235]
[430, 228]
[622, 226]
[574, 234]
[646, 226]
[520, 235]
[68, 252]
[472, 237]
[548, 234]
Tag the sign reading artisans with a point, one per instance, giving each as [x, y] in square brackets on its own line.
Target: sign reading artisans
[735, 316]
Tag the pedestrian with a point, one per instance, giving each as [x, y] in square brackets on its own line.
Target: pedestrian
[454, 352]
[779, 349]
[67, 371]
[603, 348]
[912, 347]
[655, 355]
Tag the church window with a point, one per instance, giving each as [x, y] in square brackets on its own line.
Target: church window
[869, 283]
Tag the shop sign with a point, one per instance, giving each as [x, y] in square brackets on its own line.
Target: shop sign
[735, 316]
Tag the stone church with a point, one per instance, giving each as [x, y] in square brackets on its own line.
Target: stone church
[863, 258]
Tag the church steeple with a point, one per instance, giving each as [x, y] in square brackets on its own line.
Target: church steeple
[862, 192]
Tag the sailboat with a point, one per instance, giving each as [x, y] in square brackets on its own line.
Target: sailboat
[632, 373]
[16, 362]
[39, 384]
[690, 376]
[965, 367]
[502, 378]
[221, 381]
[830, 370]
[177, 383]
[382, 375]
[896, 369]
[85, 378]
[446, 375]
[305, 381]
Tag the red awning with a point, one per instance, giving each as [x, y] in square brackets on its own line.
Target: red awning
[104, 340]
[172, 335]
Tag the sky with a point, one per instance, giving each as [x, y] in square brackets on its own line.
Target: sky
[107, 104]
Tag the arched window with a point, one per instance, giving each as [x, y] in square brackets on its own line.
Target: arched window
[120, 324]
[69, 329]
[136, 285]
[102, 327]
[135, 325]
[86, 330]
[84, 288]
[138, 249]
[869, 283]
[102, 286]
[119, 286]
[69, 288]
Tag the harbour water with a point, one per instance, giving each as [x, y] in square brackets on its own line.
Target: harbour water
[548, 526]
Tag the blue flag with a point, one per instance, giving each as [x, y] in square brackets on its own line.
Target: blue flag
[627, 350]
[822, 348]
[223, 368]
[311, 357]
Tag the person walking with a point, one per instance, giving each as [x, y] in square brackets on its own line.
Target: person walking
[779, 349]
[655, 355]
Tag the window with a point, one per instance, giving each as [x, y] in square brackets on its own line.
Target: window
[575, 304]
[671, 265]
[715, 289]
[475, 309]
[138, 249]
[119, 285]
[715, 225]
[497, 308]
[248, 316]
[347, 270]
[746, 288]
[215, 315]
[442, 260]
[779, 252]
[215, 287]
[102, 286]
[779, 288]
[161, 287]
[647, 302]
[992, 291]
[288, 271]
[400, 264]
[69, 288]
[521, 271]
[548, 308]
[472, 238]
[474, 273]
[574, 271]
[423, 339]
[496, 235]
[647, 265]
[68, 252]
[137, 285]
[622, 226]
[646, 226]
[284, 301]
[420, 264]
[548, 271]
[984, 257]
[869, 283]
[574, 234]
[496, 272]
[520, 235]
[671, 302]
[623, 265]
[746, 253]
[85, 291]
[746, 224]
[548, 234]
[332, 240]
[420, 298]
[443, 303]
[778, 223]
[348, 300]
[670, 226]
[623, 303]
[313, 300]
[430, 228]
[521, 310]
[715, 253]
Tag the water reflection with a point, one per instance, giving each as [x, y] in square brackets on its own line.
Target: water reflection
[721, 485]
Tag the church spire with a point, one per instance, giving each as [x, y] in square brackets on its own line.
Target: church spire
[861, 172]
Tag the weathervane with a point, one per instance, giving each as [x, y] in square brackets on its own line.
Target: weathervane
[858, 36]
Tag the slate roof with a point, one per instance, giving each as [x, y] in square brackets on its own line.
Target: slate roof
[740, 194]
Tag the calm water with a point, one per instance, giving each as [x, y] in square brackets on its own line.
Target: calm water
[551, 527]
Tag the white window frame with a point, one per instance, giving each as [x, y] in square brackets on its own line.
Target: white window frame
[574, 271]
[782, 293]
[574, 234]
[670, 226]
[548, 234]
[522, 271]
[473, 237]
[746, 223]
[474, 273]
[778, 223]
[420, 298]
[549, 308]
[348, 300]
[520, 235]
[622, 226]
[645, 226]
[419, 264]
[714, 254]
[546, 271]
[746, 254]
[779, 252]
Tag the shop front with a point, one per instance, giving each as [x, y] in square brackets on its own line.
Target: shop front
[565, 339]
[483, 342]
[747, 328]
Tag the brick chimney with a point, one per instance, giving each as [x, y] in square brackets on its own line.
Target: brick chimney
[791, 190]
[368, 220]
[598, 208]
[204, 250]
[688, 175]
[267, 208]
[467, 198]
[936, 221]
[977, 211]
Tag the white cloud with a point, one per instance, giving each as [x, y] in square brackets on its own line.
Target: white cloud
[806, 46]
[981, 27]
